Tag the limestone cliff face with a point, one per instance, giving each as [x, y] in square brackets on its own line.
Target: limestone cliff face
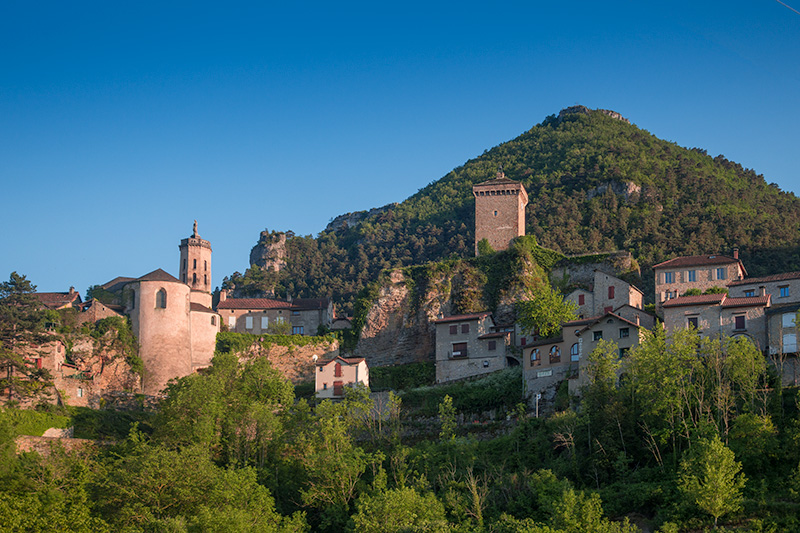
[294, 362]
[395, 330]
[399, 327]
[270, 251]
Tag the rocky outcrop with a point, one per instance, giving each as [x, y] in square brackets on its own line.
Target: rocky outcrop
[270, 251]
[578, 270]
[293, 361]
[628, 189]
[350, 220]
[396, 331]
[583, 110]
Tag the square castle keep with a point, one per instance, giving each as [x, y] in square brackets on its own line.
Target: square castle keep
[499, 211]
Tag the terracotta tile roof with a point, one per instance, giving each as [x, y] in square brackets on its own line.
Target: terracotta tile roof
[700, 299]
[55, 300]
[199, 307]
[747, 301]
[253, 303]
[310, 303]
[765, 279]
[601, 318]
[697, 260]
[495, 335]
[349, 361]
[462, 318]
[581, 321]
[159, 275]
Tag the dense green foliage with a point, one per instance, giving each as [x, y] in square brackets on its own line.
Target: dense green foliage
[231, 449]
[682, 202]
[402, 377]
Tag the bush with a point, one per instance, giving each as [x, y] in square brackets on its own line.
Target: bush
[402, 377]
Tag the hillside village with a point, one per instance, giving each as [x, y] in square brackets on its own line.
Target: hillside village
[578, 350]
[176, 325]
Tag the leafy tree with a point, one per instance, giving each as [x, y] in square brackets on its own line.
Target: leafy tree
[21, 331]
[447, 419]
[711, 478]
[400, 510]
[544, 310]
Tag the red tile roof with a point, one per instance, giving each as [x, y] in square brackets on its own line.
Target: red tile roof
[310, 303]
[55, 300]
[747, 301]
[698, 260]
[700, 299]
[253, 303]
[495, 335]
[462, 318]
[600, 319]
[765, 279]
[349, 361]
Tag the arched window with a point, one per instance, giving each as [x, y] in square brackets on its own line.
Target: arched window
[535, 357]
[574, 352]
[161, 299]
[555, 354]
[213, 320]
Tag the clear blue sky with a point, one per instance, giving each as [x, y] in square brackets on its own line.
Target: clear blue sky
[120, 123]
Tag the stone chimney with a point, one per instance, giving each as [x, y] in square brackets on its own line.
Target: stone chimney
[637, 319]
[71, 291]
[223, 295]
[736, 253]
[762, 290]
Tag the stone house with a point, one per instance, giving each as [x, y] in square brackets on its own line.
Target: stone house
[720, 315]
[332, 376]
[254, 315]
[607, 293]
[550, 361]
[547, 362]
[676, 276]
[468, 346]
[626, 334]
[784, 288]
[60, 300]
[499, 211]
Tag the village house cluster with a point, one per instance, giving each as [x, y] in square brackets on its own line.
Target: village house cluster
[176, 324]
[710, 293]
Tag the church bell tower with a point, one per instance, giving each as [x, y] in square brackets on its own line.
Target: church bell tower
[195, 267]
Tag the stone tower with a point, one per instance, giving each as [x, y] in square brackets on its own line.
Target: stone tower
[195, 267]
[499, 211]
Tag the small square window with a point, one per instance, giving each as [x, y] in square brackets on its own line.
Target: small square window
[691, 275]
[464, 328]
[692, 322]
[324, 385]
[597, 335]
[624, 333]
[492, 346]
[453, 330]
[750, 292]
[669, 277]
[784, 292]
[581, 299]
[739, 322]
[721, 274]
[623, 352]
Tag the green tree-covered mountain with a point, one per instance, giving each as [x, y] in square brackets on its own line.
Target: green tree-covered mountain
[595, 183]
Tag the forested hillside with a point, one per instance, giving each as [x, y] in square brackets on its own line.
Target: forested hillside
[595, 182]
